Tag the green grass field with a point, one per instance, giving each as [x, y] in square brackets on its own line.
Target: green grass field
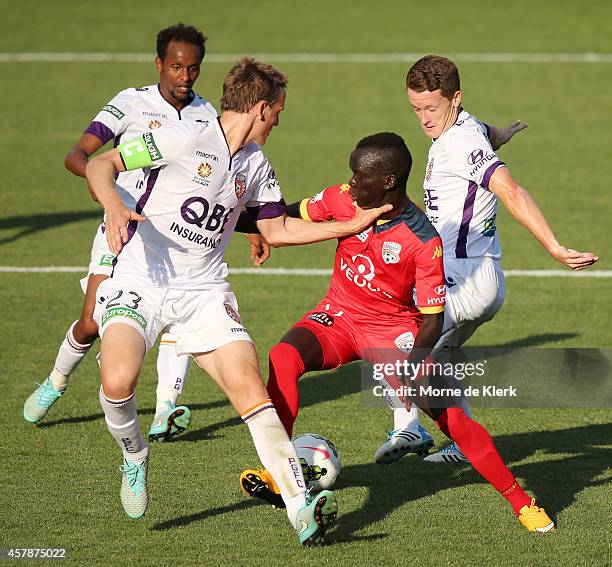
[61, 480]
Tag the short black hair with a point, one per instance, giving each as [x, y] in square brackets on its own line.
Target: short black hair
[180, 32]
[389, 155]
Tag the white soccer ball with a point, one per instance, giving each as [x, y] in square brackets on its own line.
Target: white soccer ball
[320, 461]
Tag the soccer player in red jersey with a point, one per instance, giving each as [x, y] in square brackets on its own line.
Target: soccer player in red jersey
[369, 311]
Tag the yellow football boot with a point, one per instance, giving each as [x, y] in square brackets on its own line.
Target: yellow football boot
[259, 483]
[535, 519]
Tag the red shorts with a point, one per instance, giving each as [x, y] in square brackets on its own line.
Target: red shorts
[345, 338]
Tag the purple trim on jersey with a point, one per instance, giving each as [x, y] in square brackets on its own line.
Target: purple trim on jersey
[490, 170]
[267, 210]
[488, 129]
[468, 213]
[100, 131]
[132, 225]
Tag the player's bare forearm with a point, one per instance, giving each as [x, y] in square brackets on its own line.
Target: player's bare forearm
[288, 231]
[427, 337]
[429, 334]
[100, 173]
[524, 209]
[76, 161]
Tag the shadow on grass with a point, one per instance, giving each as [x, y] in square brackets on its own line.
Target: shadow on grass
[141, 411]
[555, 482]
[536, 340]
[186, 520]
[314, 389]
[36, 223]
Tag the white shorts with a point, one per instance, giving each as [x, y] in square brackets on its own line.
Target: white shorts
[101, 259]
[475, 290]
[201, 321]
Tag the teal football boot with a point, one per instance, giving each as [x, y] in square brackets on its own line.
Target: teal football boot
[38, 403]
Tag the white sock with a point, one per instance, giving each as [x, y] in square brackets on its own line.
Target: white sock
[68, 358]
[171, 372]
[277, 455]
[404, 419]
[122, 422]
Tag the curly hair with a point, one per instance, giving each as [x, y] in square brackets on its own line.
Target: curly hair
[180, 32]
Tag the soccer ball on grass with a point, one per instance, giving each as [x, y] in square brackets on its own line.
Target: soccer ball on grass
[320, 461]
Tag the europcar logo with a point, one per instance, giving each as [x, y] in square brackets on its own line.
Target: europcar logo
[107, 260]
[124, 312]
[204, 169]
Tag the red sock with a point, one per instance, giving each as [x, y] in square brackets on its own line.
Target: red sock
[286, 367]
[476, 444]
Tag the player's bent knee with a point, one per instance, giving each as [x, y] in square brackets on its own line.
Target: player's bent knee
[86, 330]
[304, 348]
[288, 356]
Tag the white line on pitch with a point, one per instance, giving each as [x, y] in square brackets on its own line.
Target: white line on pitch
[316, 57]
[316, 272]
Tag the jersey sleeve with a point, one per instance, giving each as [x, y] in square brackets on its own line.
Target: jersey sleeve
[472, 158]
[265, 196]
[324, 205]
[429, 274]
[155, 150]
[113, 119]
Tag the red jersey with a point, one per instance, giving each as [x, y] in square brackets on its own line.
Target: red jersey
[376, 271]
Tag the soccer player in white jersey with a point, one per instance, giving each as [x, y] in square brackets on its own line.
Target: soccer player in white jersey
[464, 178]
[180, 51]
[170, 273]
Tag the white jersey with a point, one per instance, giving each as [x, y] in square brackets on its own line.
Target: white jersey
[134, 111]
[457, 199]
[194, 194]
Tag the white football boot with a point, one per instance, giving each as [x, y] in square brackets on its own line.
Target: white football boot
[450, 454]
[402, 441]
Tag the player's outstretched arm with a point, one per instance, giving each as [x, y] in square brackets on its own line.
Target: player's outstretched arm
[500, 136]
[287, 231]
[100, 173]
[524, 209]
